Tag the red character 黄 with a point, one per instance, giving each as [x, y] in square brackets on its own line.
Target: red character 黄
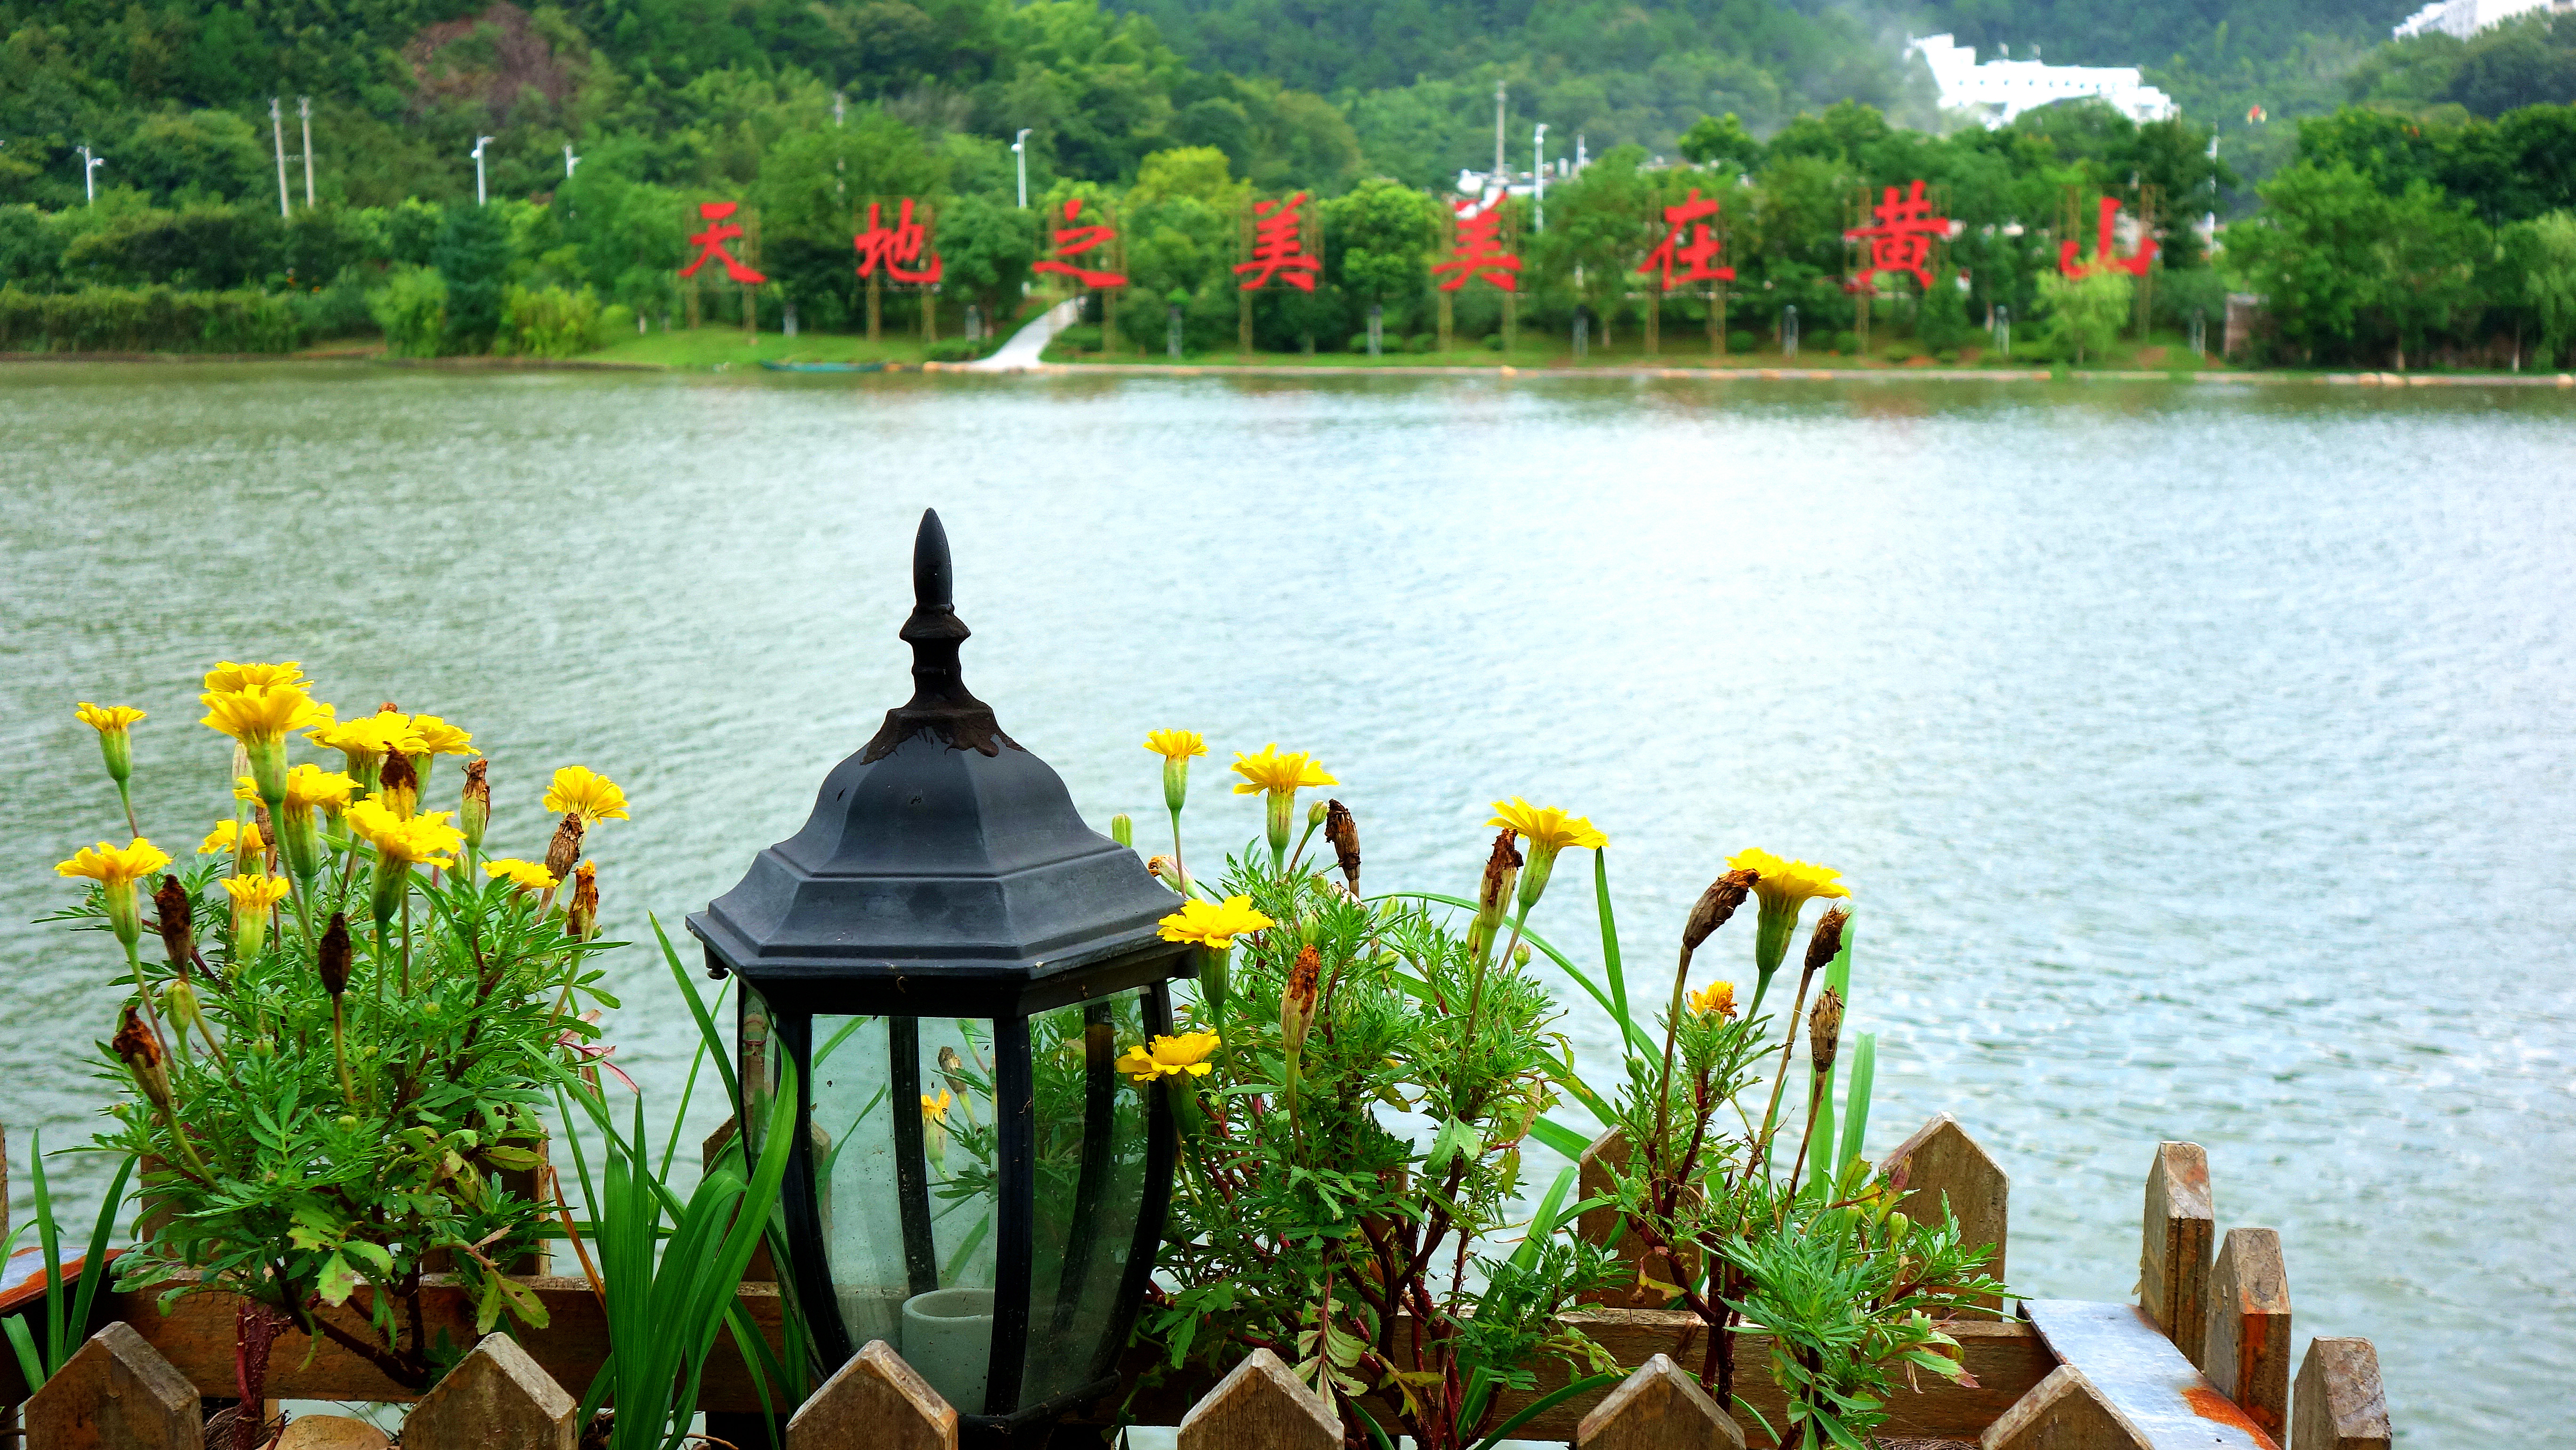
[1278, 246]
[1902, 239]
[710, 243]
[1480, 249]
[1694, 258]
[1072, 241]
[893, 247]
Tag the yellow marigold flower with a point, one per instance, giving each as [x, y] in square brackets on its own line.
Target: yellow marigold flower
[1546, 827]
[227, 677]
[307, 786]
[935, 1110]
[422, 840]
[261, 715]
[1170, 1057]
[1718, 998]
[1787, 883]
[107, 719]
[1211, 925]
[587, 794]
[526, 875]
[255, 893]
[115, 865]
[1176, 744]
[385, 732]
[437, 737]
[232, 836]
[1276, 773]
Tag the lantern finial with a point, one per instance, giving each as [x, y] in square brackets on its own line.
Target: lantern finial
[941, 704]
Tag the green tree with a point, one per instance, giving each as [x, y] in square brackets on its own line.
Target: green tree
[1379, 238]
[1943, 322]
[2085, 312]
[987, 248]
[1722, 143]
[2313, 255]
[472, 256]
[2427, 265]
[2543, 250]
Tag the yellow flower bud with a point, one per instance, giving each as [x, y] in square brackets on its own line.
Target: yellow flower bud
[1123, 831]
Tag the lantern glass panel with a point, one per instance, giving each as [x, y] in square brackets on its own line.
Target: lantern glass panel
[1090, 1140]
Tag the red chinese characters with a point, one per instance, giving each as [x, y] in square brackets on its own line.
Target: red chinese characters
[710, 243]
[1902, 238]
[1479, 253]
[1279, 247]
[896, 247]
[1684, 258]
[1072, 241]
[2103, 260]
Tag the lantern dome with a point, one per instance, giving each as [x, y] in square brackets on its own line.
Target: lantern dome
[943, 861]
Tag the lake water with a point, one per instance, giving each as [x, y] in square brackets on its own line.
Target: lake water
[2200, 756]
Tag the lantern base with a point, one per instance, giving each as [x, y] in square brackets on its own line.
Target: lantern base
[1035, 1427]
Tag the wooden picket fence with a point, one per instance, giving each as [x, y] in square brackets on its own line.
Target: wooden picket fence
[2204, 1361]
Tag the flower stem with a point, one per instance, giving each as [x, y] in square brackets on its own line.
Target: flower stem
[125, 795]
[340, 1050]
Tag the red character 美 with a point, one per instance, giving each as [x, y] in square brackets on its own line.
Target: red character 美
[2103, 260]
[1902, 239]
[1695, 257]
[710, 243]
[1480, 251]
[1072, 241]
[894, 247]
[1278, 247]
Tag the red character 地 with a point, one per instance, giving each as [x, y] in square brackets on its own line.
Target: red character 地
[1072, 241]
[710, 243]
[895, 247]
[1692, 254]
[1279, 247]
[1901, 241]
[2103, 260]
[1480, 251]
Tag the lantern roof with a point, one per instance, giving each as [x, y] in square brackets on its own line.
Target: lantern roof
[943, 855]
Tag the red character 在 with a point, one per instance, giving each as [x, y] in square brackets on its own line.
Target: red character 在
[1278, 247]
[1480, 251]
[895, 247]
[1902, 239]
[1072, 241]
[2103, 260]
[1694, 255]
[710, 243]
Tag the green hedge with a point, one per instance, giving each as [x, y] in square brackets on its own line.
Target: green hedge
[146, 319]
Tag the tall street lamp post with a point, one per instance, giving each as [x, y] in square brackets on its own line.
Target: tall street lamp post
[1020, 149]
[479, 143]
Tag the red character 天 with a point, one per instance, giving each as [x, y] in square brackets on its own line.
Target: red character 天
[1278, 247]
[1694, 255]
[1902, 239]
[1072, 241]
[896, 246]
[1480, 251]
[710, 243]
[2103, 260]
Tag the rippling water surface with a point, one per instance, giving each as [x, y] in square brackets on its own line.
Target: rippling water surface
[2201, 758]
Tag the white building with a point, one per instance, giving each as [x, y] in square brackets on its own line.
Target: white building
[2465, 18]
[2006, 88]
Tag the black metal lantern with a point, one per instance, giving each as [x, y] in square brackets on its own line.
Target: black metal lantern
[952, 960]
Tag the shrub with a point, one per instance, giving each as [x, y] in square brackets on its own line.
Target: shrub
[615, 321]
[146, 319]
[1493, 342]
[548, 323]
[1741, 341]
[339, 310]
[1901, 350]
[1847, 343]
[1359, 343]
[1947, 355]
[411, 309]
[1421, 342]
[472, 253]
[954, 349]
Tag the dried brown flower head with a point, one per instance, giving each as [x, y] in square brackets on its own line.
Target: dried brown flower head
[331, 955]
[1343, 833]
[1297, 999]
[1715, 905]
[178, 916]
[475, 809]
[1826, 942]
[141, 1052]
[1825, 1029]
[565, 848]
[581, 918]
[1502, 873]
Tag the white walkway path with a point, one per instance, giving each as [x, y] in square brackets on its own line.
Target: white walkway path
[1021, 353]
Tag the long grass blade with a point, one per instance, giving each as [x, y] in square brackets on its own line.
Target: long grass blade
[1856, 1102]
[1610, 960]
[698, 1009]
[94, 1264]
[689, 1089]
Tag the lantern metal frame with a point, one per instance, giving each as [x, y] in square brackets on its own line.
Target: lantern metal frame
[945, 874]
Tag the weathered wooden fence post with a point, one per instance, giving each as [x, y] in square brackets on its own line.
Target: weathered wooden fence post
[1658, 1408]
[497, 1398]
[874, 1402]
[1261, 1406]
[1593, 1173]
[118, 1393]
[2246, 1352]
[1941, 1162]
[2339, 1404]
[2066, 1412]
[2173, 1260]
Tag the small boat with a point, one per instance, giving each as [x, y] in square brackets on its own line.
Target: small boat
[823, 367]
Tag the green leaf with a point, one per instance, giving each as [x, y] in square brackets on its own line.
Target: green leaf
[1559, 1137]
[338, 1280]
[375, 1255]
